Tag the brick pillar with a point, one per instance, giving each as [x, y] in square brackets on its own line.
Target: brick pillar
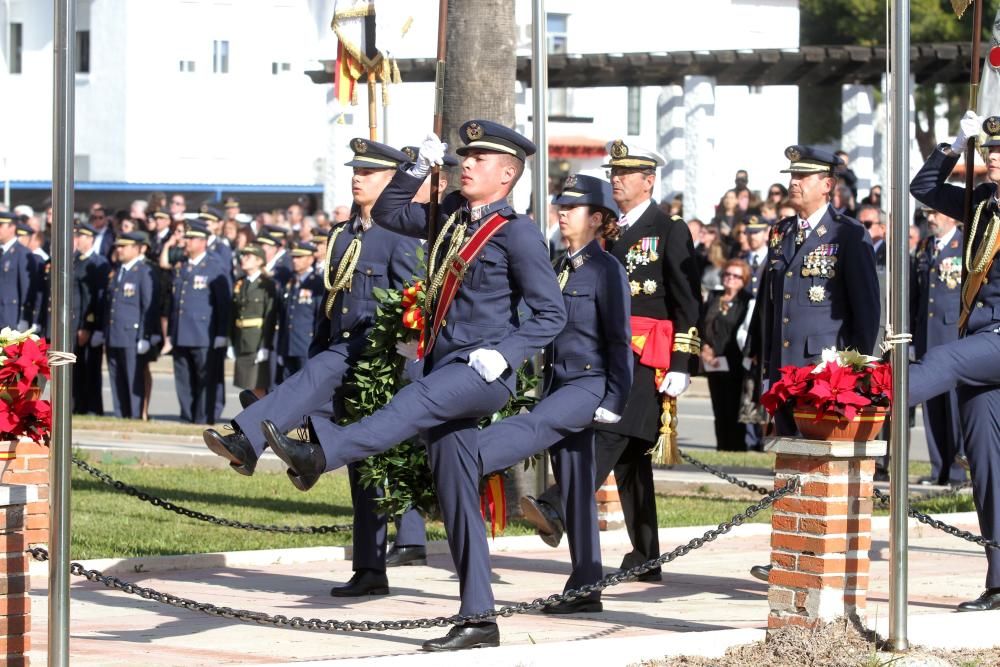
[821, 533]
[609, 505]
[31, 467]
[15, 605]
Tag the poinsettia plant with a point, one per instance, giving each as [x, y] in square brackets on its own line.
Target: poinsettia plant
[23, 360]
[843, 382]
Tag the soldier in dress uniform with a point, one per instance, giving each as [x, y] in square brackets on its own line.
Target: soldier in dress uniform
[231, 207]
[588, 374]
[279, 262]
[301, 308]
[661, 265]
[16, 295]
[131, 318]
[90, 280]
[365, 257]
[38, 268]
[218, 245]
[820, 288]
[199, 327]
[479, 339]
[971, 364]
[756, 230]
[254, 314]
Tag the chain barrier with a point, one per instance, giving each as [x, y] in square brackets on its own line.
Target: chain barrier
[201, 516]
[729, 478]
[941, 525]
[298, 622]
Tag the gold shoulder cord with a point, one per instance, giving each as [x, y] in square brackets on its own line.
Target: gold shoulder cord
[345, 271]
[563, 278]
[989, 238]
[435, 273]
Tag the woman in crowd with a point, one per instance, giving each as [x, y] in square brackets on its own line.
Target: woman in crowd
[727, 213]
[723, 333]
[253, 321]
[716, 254]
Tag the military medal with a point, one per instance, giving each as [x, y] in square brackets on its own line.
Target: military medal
[634, 287]
[649, 286]
[200, 282]
[128, 289]
[817, 293]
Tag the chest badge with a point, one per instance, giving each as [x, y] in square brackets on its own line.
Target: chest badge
[642, 253]
[200, 282]
[649, 286]
[634, 287]
[817, 293]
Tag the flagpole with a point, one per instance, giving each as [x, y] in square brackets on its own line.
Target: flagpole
[970, 149]
[442, 48]
[372, 110]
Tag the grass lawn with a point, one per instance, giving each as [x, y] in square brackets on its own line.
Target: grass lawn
[765, 460]
[159, 426]
[107, 523]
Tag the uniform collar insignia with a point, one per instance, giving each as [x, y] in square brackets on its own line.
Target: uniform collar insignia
[953, 244]
[821, 230]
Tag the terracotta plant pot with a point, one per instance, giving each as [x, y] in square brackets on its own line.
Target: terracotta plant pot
[8, 452]
[864, 427]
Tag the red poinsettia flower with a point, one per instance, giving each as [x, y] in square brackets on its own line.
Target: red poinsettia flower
[797, 379]
[880, 380]
[25, 361]
[835, 390]
[10, 421]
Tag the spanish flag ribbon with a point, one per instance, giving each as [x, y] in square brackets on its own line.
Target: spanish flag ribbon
[653, 341]
[493, 504]
[413, 312]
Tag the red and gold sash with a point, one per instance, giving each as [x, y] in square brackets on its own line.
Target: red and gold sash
[456, 268]
[653, 341]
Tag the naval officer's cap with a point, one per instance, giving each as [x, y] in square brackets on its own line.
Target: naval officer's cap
[485, 135]
[632, 157]
[810, 160]
[370, 154]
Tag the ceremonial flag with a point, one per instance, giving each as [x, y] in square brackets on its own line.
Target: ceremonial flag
[366, 45]
[989, 86]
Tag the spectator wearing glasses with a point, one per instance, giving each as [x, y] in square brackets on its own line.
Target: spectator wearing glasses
[776, 194]
[724, 330]
[104, 239]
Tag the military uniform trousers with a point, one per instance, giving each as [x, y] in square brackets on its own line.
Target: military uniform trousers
[971, 366]
[289, 366]
[944, 437]
[562, 421]
[447, 404]
[127, 372]
[371, 527]
[198, 379]
[87, 380]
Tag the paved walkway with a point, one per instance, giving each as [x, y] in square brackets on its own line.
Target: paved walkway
[705, 603]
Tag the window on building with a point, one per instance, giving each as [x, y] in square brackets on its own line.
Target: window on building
[634, 110]
[556, 34]
[186, 65]
[15, 47]
[280, 68]
[220, 56]
[83, 51]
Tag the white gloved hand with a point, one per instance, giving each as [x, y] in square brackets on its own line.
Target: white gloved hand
[262, 355]
[431, 153]
[675, 384]
[602, 416]
[490, 364]
[230, 353]
[97, 339]
[142, 347]
[968, 127]
[220, 342]
[22, 325]
[407, 350]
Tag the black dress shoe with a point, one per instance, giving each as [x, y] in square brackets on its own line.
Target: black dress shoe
[988, 601]
[473, 635]
[634, 559]
[404, 555]
[363, 582]
[247, 398]
[305, 460]
[545, 519]
[235, 448]
[762, 572]
[577, 606]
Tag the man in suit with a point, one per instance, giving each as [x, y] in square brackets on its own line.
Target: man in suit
[90, 280]
[16, 297]
[935, 306]
[659, 259]
[479, 339]
[104, 240]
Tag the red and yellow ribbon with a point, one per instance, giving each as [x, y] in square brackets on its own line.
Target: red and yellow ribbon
[493, 504]
[413, 312]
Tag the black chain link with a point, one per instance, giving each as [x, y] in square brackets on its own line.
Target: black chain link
[201, 516]
[729, 478]
[941, 525]
[298, 622]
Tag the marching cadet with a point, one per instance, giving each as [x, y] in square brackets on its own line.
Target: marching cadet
[199, 327]
[362, 257]
[588, 374]
[970, 365]
[131, 318]
[820, 288]
[300, 312]
[659, 259]
[90, 279]
[478, 341]
[935, 306]
[16, 294]
[255, 312]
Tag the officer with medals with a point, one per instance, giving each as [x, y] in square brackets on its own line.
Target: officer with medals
[217, 244]
[756, 256]
[16, 295]
[254, 315]
[820, 288]
[485, 261]
[935, 306]
[131, 318]
[199, 327]
[300, 312]
[971, 364]
[90, 280]
[361, 257]
[659, 259]
[588, 374]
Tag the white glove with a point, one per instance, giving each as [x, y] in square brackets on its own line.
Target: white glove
[97, 339]
[407, 350]
[142, 347]
[602, 416]
[230, 353]
[22, 325]
[281, 360]
[968, 127]
[431, 153]
[220, 342]
[490, 364]
[262, 355]
[675, 384]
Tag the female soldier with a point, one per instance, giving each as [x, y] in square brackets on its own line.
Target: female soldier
[254, 317]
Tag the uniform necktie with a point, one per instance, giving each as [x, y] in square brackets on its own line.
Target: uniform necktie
[755, 262]
[938, 244]
[800, 236]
